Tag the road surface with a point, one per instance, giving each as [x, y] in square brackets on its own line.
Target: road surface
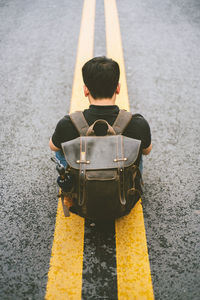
[38, 47]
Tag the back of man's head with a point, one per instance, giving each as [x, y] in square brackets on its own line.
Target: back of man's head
[101, 77]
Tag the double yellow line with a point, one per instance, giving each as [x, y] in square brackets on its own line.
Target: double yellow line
[133, 270]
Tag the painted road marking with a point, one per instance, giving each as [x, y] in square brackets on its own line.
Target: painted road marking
[84, 53]
[114, 48]
[65, 274]
[133, 269]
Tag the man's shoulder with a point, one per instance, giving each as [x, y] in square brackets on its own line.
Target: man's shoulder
[65, 131]
[137, 116]
[66, 127]
[138, 120]
[65, 123]
[138, 127]
[64, 120]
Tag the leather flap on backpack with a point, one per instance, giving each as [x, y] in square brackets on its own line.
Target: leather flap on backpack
[101, 152]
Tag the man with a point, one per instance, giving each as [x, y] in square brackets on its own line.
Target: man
[101, 79]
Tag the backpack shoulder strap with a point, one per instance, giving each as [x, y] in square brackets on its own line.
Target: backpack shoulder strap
[122, 121]
[79, 122]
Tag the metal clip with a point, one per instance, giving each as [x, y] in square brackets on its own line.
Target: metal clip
[120, 159]
[83, 161]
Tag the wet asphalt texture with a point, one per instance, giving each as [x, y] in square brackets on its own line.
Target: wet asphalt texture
[38, 42]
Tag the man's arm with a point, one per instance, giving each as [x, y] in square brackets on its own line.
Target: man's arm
[146, 151]
[52, 146]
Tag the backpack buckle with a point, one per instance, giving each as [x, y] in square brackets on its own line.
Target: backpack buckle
[120, 159]
[82, 159]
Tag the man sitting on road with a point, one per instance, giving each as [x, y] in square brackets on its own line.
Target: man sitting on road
[101, 79]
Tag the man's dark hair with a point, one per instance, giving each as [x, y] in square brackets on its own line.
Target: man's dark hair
[101, 76]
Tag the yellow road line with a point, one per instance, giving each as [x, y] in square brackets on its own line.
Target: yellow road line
[114, 48]
[84, 53]
[65, 274]
[133, 269]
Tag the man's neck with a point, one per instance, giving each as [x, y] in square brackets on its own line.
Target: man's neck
[104, 101]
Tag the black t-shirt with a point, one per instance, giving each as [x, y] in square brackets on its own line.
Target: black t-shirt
[138, 128]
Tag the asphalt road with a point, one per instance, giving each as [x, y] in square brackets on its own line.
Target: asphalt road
[38, 42]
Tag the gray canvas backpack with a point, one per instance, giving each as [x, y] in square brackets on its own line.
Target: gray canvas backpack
[103, 169]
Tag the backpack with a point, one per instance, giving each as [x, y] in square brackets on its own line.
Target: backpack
[106, 182]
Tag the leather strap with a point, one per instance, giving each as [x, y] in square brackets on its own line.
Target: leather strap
[82, 172]
[121, 158]
[65, 208]
[79, 122]
[122, 121]
[110, 130]
[120, 124]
